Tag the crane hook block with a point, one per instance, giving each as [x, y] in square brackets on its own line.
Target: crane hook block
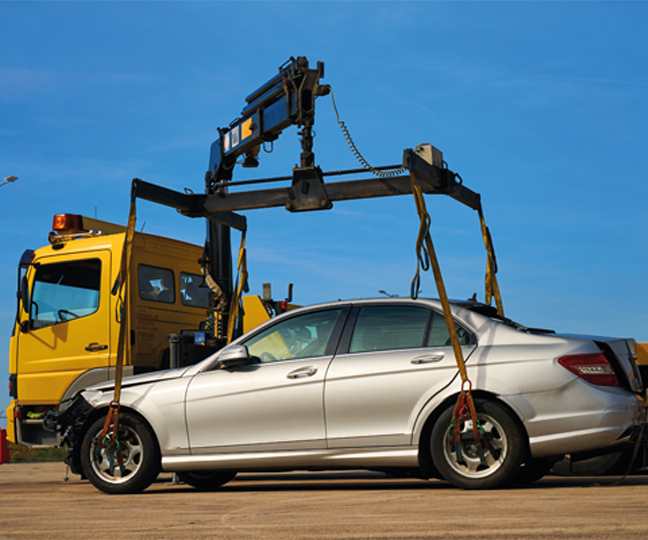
[307, 191]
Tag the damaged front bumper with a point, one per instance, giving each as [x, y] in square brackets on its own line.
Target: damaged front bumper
[68, 424]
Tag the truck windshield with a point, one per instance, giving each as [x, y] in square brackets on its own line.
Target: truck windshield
[65, 291]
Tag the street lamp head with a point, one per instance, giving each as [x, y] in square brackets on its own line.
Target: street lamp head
[9, 179]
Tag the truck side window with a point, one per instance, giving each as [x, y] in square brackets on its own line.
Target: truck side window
[191, 293]
[155, 284]
[65, 291]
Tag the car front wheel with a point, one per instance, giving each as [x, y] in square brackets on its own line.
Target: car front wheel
[131, 466]
[502, 452]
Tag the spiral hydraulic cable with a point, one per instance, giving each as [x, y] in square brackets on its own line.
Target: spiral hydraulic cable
[356, 152]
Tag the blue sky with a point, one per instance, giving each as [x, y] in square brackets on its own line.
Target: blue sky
[541, 107]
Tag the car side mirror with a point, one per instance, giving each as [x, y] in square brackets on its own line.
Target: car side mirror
[232, 356]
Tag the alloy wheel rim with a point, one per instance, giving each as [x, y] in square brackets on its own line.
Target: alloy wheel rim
[469, 464]
[106, 463]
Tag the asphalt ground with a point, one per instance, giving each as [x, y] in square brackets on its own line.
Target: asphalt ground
[37, 503]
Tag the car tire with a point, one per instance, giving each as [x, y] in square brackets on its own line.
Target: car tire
[532, 471]
[206, 480]
[503, 461]
[615, 464]
[139, 450]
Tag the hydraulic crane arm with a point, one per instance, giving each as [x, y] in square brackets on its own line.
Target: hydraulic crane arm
[286, 99]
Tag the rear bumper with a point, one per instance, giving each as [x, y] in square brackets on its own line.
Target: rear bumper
[598, 420]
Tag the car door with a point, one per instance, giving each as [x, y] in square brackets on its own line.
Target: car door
[392, 359]
[276, 401]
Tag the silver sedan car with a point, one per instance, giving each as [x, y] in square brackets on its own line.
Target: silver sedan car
[366, 384]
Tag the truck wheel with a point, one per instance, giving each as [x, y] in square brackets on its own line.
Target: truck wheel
[206, 480]
[503, 454]
[140, 456]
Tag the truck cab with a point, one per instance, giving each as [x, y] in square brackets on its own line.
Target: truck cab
[66, 332]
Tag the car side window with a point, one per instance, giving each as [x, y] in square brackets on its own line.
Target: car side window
[438, 335]
[383, 328]
[303, 336]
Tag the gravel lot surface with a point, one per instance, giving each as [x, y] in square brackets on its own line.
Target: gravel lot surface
[37, 503]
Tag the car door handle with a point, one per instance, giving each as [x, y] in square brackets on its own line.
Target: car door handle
[93, 347]
[428, 358]
[302, 372]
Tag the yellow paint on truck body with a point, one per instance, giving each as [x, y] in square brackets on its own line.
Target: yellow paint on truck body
[642, 355]
[54, 352]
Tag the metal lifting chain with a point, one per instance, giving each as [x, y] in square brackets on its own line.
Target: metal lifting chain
[426, 258]
[120, 289]
[356, 152]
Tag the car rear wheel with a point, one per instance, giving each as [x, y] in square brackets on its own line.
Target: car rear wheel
[206, 480]
[131, 467]
[503, 448]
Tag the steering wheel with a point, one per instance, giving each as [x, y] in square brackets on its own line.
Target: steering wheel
[267, 357]
[65, 315]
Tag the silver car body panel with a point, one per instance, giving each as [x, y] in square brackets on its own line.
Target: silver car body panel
[275, 403]
[340, 458]
[369, 409]
[374, 399]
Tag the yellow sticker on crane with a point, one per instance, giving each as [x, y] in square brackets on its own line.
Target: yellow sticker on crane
[246, 129]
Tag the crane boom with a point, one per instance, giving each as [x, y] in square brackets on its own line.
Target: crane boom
[287, 99]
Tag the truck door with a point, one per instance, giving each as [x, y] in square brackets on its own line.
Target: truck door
[67, 330]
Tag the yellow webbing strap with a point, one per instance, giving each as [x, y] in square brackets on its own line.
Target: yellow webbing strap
[425, 253]
[465, 407]
[123, 346]
[120, 289]
[241, 280]
[492, 288]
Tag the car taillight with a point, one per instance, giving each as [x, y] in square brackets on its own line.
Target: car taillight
[594, 368]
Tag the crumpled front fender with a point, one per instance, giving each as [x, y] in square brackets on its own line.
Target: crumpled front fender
[68, 423]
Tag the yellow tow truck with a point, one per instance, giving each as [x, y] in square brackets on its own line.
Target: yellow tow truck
[642, 361]
[66, 332]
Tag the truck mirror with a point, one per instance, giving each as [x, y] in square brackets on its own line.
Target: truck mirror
[24, 294]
